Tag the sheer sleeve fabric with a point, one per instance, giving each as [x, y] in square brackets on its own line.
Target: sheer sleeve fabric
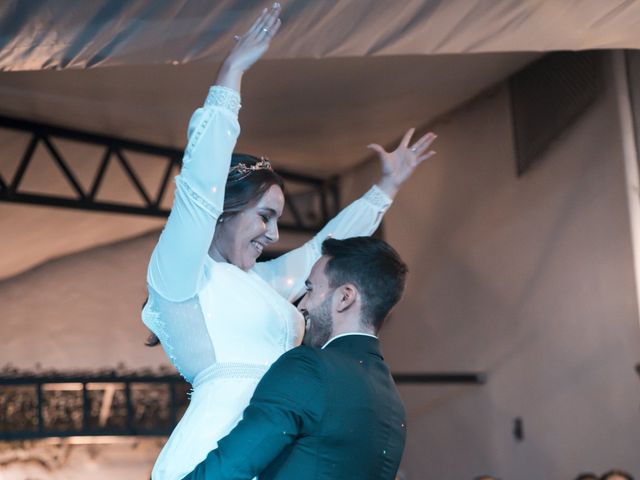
[287, 273]
[181, 329]
[176, 268]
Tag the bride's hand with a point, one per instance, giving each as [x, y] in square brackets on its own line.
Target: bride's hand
[397, 166]
[252, 45]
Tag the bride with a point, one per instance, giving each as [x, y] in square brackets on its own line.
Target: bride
[222, 318]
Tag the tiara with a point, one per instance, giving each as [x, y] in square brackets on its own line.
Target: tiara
[242, 169]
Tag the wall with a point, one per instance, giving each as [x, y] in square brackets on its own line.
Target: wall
[528, 279]
[81, 311]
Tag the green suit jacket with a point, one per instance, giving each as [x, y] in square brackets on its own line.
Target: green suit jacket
[331, 413]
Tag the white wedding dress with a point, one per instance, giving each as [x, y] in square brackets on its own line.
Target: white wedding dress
[222, 327]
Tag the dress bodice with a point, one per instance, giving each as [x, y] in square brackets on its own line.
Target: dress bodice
[246, 319]
[237, 318]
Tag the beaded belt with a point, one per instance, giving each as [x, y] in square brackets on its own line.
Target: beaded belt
[230, 370]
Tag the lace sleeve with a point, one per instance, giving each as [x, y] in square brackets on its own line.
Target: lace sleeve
[182, 331]
[287, 273]
[176, 267]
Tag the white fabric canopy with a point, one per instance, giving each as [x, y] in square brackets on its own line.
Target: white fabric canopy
[79, 34]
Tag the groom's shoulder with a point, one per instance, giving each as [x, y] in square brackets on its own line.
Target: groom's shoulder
[302, 354]
[297, 372]
[296, 380]
[299, 361]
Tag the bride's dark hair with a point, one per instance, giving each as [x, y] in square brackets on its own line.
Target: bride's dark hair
[241, 190]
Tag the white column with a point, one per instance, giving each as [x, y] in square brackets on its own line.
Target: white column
[630, 154]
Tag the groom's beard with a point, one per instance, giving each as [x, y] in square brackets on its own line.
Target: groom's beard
[320, 324]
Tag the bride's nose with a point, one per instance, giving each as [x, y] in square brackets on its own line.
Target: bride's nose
[272, 232]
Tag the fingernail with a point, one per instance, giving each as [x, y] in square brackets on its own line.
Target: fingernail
[276, 5]
[264, 10]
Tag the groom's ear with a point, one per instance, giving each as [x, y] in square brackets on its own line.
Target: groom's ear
[347, 295]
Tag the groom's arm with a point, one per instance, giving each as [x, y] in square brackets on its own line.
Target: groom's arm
[288, 401]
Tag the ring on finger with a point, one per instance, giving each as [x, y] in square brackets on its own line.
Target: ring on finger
[414, 149]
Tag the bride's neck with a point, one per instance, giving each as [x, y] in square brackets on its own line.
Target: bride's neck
[216, 254]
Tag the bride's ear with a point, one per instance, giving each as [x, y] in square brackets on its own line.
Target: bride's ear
[347, 295]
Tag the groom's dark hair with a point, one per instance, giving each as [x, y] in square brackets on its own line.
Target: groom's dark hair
[374, 267]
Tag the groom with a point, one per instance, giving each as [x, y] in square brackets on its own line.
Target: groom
[328, 409]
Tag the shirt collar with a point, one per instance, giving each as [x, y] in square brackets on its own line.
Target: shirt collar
[345, 334]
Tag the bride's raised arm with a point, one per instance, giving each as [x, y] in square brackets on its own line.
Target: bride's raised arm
[176, 269]
[288, 272]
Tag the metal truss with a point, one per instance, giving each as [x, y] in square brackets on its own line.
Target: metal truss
[305, 213]
[57, 405]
